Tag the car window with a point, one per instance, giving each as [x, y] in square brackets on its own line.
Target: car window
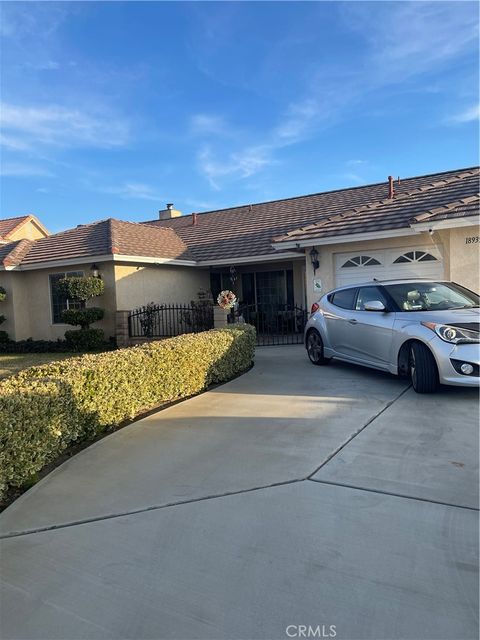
[368, 294]
[431, 296]
[344, 298]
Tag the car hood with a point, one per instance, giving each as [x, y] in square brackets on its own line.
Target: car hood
[453, 316]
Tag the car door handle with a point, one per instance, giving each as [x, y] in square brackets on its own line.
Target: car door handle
[352, 321]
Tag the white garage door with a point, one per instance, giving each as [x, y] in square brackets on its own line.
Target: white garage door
[388, 264]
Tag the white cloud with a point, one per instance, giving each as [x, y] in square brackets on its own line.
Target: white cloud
[239, 164]
[403, 41]
[208, 124]
[19, 169]
[471, 114]
[133, 191]
[59, 126]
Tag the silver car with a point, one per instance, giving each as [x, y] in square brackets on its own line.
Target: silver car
[428, 331]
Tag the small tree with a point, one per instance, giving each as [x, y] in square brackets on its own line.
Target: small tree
[83, 289]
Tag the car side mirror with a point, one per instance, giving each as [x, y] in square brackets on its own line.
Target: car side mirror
[374, 305]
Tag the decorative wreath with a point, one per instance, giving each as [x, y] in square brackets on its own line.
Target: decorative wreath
[226, 299]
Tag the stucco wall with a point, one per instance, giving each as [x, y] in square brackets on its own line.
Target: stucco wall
[137, 285]
[30, 231]
[464, 257]
[32, 304]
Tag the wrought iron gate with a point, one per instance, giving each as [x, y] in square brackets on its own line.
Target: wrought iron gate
[276, 324]
[164, 321]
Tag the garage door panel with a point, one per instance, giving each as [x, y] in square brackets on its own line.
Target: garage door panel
[401, 262]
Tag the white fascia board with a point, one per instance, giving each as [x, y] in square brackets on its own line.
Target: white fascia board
[346, 238]
[104, 258]
[59, 263]
[452, 223]
[268, 257]
[117, 257]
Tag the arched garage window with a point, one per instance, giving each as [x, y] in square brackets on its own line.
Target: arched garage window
[415, 256]
[361, 261]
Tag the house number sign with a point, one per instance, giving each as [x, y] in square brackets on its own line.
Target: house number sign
[472, 240]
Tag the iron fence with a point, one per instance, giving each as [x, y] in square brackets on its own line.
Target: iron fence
[166, 321]
[276, 323]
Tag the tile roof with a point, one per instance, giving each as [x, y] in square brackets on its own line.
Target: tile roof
[248, 230]
[12, 253]
[469, 206]
[7, 225]
[454, 195]
[107, 237]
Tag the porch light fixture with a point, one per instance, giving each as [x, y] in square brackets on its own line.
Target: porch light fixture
[95, 270]
[233, 274]
[314, 259]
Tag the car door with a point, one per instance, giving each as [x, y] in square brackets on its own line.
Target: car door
[371, 332]
[338, 315]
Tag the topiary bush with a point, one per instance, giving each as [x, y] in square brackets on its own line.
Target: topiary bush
[81, 287]
[85, 339]
[45, 409]
[82, 317]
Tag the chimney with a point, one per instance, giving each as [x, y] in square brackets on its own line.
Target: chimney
[391, 190]
[169, 212]
[194, 219]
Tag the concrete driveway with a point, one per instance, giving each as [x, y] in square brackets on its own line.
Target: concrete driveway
[293, 497]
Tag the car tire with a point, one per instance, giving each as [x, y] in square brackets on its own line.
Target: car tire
[423, 369]
[314, 345]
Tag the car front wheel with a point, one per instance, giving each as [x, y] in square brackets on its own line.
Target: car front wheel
[315, 348]
[423, 369]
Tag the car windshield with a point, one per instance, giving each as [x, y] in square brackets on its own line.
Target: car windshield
[431, 296]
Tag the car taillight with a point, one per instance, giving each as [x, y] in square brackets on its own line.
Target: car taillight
[315, 307]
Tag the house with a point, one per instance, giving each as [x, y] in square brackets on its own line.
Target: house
[270, 253]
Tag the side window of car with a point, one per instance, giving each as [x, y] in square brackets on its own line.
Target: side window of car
[368, 294]
[344, 298]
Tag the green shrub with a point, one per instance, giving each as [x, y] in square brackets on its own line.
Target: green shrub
[3, 294]
[45, 409]
[85, 339]
[81, 287]
[2, 318]
[82, 317]
[3, 337]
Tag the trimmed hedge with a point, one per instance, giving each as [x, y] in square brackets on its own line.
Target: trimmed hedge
[45, 409]
[85, 339]
[44, 346]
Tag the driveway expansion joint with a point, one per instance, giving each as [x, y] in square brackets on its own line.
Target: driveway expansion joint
[113, 516]
[393, 494]
[354, 435]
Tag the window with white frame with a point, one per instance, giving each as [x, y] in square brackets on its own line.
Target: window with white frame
[59, 301]
[360, 261]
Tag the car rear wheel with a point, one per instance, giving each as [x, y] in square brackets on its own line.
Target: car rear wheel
[315, 348]
[423, 369]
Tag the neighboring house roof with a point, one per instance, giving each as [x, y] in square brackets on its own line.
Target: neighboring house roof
[105, 238]
[454, 196]
[249, 230]
[8, 226]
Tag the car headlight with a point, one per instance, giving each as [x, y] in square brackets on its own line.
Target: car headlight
[454, 335]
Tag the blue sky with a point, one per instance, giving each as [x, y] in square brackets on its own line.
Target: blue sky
[115, 108]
